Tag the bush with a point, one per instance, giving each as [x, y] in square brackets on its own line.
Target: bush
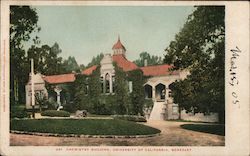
[148, 103]
[70, 107]
[18, 112]
[130, 118]
[55, 113]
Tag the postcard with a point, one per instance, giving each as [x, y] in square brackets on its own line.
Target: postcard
[124, 78]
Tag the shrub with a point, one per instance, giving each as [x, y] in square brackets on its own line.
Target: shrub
[18, 112]
[70, 107]
[148, 103]
[130, 118]
[55, 113]
[106, 105]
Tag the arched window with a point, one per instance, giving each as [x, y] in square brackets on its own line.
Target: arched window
[148, 91]
[113, 83]
[160, 91]
[107, 79]
[86, 91]
[102, 84]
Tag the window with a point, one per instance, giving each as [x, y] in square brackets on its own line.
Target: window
[107, 79]
[130, 85]
[86, 89]
[170, 93]
[102, 85]
[113, 83]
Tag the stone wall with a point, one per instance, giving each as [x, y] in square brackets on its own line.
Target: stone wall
[213, 117]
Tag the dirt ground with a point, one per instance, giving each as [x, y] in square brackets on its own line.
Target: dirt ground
[171, 135]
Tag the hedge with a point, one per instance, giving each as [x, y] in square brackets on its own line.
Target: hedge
[55, 113]
[130, 118]
[18, 112]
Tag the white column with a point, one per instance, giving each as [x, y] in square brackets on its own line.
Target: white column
[110, 84]
[58, 99]
[167, 94]
[32, 84]
[153, 93]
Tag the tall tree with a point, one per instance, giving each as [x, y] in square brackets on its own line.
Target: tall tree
[71, 65]
[149, 59]
[81, 100]
[23, 21]
[46, 59]
[137, 95]
[122, 98]
[95, 60]
[199, 47]
[94, 90]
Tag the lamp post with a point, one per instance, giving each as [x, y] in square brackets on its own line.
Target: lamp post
[32, 89]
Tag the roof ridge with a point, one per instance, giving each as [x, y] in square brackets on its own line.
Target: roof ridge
[60, 74]
[155, 65]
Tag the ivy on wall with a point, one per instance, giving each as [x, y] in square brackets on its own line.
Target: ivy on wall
[137, 95]
[80, 100]
[87, 93]
[123, 101]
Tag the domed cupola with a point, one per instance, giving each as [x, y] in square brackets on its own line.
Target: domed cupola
[118, 48]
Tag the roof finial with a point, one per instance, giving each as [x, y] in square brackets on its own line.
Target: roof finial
[118, 37]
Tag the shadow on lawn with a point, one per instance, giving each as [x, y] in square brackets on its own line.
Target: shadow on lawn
[206, 128]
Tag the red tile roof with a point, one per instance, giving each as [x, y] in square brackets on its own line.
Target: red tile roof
[63, 78]
[118, 45]
[158, 70]
[123, 63]
[89, 70]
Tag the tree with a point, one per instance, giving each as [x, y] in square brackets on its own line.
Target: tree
[199, 47]
[82, 67]
[46, 60]
[81, 100]
[54, 62]
[137, 95]
[71, 65]
[23, 21]
[151, 60]
[94, 90]
[95, 60]
[121, 92]
[41, 100]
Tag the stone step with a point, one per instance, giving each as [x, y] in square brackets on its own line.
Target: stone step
[157, 112]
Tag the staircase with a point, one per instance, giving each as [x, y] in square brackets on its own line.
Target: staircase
[158, 111]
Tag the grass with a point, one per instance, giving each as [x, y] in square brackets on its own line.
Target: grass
[85, 127]
[206, 128]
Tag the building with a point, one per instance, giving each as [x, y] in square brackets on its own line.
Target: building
[156, 87]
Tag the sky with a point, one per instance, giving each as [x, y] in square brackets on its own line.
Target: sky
[86, 31]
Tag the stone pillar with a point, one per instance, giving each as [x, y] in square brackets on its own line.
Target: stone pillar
[104, 84]
[110, 84]
[167, 94]
[58, 99]
[153, 93]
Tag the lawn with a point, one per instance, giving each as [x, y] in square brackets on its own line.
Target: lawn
[206, 128]
[85, 127]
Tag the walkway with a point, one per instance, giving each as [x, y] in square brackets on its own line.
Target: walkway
[172, 135]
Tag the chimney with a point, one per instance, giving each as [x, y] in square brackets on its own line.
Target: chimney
[145, 62]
